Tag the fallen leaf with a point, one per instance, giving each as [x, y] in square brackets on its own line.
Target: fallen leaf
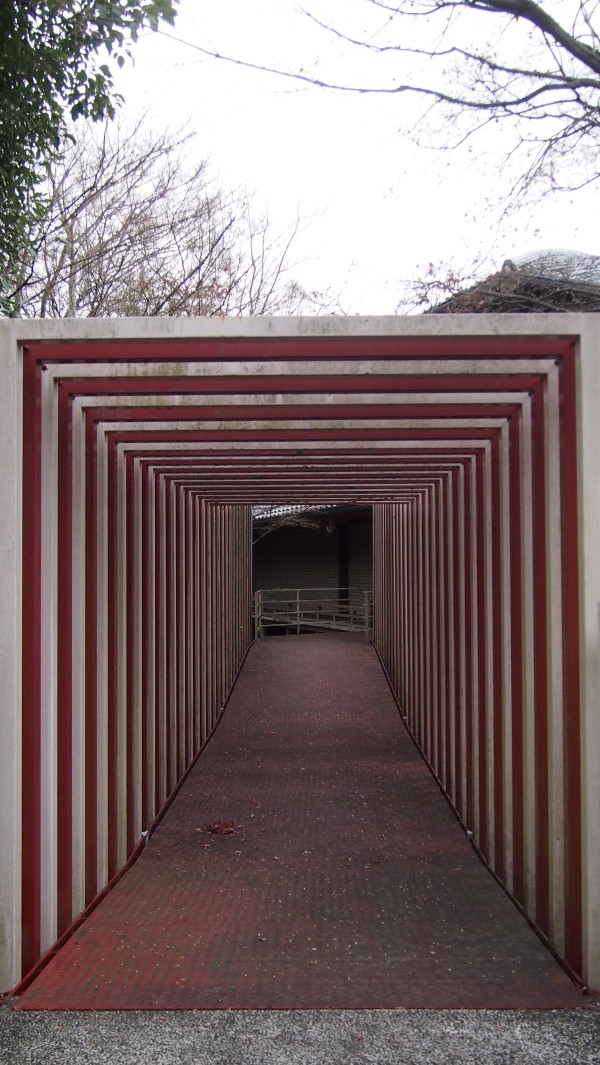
[219, 828]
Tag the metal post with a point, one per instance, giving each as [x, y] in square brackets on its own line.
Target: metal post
[258, 614]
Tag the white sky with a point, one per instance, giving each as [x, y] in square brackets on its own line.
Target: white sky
[377, 209]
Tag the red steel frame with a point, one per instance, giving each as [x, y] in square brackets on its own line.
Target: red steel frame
[185, 539]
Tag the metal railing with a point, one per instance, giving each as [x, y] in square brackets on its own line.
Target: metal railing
[297, 610]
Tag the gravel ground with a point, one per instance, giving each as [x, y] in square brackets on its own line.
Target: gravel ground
[310, 1037]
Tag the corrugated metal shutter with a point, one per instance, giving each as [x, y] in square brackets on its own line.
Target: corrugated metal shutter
[360, 555]
[297, 558]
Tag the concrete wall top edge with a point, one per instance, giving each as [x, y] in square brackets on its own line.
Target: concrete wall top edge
[89, 329]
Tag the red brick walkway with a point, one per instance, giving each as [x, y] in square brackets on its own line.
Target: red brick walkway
[347, 882]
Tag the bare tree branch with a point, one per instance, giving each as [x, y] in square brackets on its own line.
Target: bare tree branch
[133, 229]
[534, 67]
[301, 518]
[549, 282]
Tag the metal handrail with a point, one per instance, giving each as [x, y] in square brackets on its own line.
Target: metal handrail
[309, 609]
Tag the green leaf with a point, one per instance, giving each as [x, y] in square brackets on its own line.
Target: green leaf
[47, 51]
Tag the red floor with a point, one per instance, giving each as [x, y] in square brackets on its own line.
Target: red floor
[346, 883]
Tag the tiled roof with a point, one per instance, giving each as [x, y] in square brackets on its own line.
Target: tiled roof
[559, 263]
[274, 512]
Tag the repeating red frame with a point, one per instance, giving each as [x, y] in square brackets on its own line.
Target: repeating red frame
[38, 356]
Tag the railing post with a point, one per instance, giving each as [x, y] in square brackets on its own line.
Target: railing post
[258, 614]
[292, 609]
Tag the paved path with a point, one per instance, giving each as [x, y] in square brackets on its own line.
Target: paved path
[346, 882]
[362, 1037]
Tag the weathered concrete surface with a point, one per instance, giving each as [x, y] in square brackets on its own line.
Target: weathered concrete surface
[364, 1037]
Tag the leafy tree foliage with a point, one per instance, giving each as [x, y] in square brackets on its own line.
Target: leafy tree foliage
[55, 58]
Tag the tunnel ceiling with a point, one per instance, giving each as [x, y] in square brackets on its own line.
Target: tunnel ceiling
[302, 421]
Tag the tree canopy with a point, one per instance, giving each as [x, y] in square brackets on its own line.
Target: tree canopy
[55, 63]
[132, 226]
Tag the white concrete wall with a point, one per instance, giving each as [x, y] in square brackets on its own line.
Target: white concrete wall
[10, 658]
[589, 502]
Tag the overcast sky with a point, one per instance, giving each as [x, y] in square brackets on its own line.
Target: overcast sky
[376, 208]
